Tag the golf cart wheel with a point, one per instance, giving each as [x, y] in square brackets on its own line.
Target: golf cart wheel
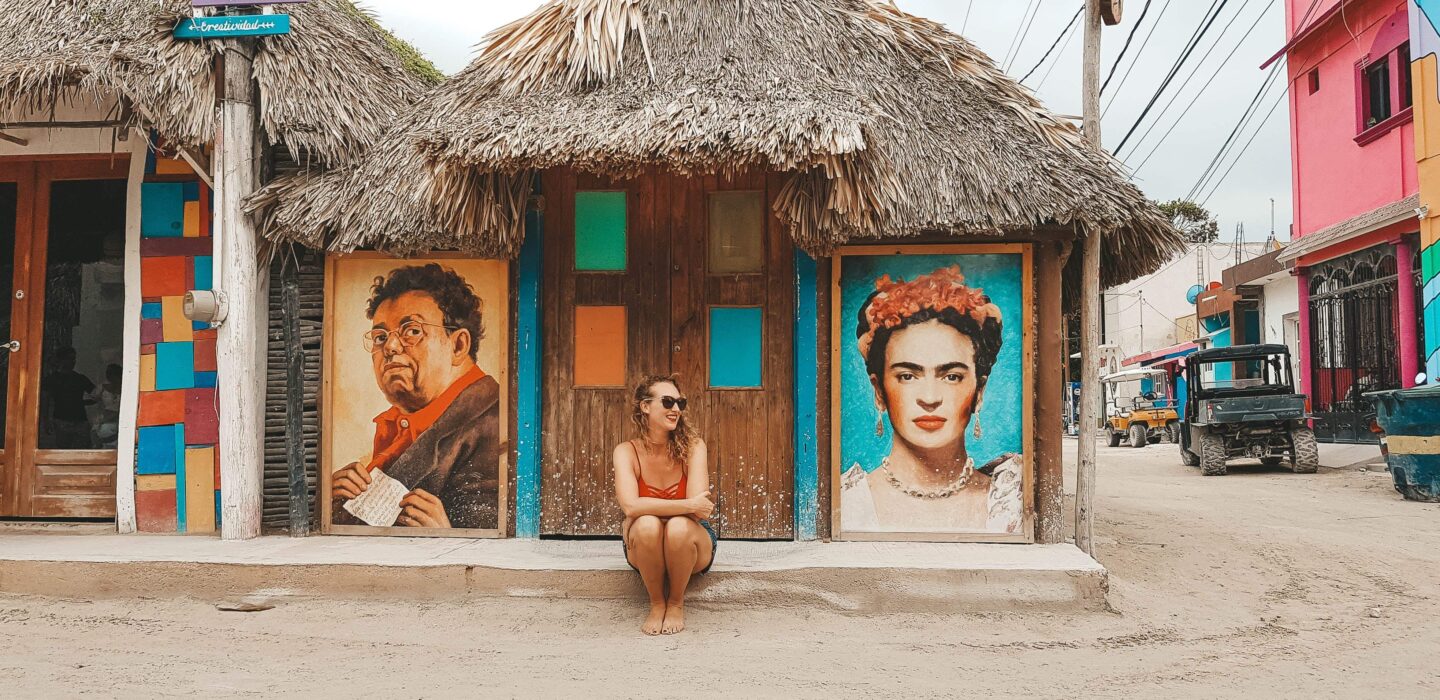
[1212, 455]
[1139, 435]
[1307, 454]
[1114, 438]
[1188, 458]
[1172, 433]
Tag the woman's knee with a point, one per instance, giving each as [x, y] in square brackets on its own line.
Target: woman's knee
[680, 533]
[647, 531]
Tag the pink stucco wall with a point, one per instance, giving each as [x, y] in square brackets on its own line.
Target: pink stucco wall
[1336, 177]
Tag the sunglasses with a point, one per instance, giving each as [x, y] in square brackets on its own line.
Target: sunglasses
[670, 402]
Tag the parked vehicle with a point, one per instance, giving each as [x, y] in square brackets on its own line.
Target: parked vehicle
[1242, 403]
[1138, 408]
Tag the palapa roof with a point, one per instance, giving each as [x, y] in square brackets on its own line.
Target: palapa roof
[326, 90]
[889, 125]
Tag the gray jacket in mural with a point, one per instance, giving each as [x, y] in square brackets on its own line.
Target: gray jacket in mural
[457, 460]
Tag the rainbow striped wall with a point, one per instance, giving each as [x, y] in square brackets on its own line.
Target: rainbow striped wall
[1425, 42]
[177, 482]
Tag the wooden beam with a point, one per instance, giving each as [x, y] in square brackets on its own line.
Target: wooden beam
[1089, 304]
[1049, 395]
[199, 163]
[14, 139]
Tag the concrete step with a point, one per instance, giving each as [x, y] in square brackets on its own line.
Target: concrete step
[848, 576]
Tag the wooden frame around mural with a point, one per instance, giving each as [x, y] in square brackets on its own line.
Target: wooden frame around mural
[327, 434]
[1027, 440]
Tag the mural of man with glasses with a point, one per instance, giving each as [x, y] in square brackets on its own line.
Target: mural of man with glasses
[441, 436]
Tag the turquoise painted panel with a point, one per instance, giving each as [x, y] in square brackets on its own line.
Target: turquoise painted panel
[227, 27]
[204, 272]
[162, 210]
[529, 345]
[600, 231]
[192, 191]
[206, 380]
[807, 346]
[157, 451]
[174, 366]
[151, 309]
[736, 347]
[180, 478]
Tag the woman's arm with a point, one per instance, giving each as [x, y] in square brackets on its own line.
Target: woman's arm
[697, 473]
[627, 491]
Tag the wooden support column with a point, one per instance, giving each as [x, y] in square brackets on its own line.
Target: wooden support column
[1089, 303]
[240, 347]
[1049, 389]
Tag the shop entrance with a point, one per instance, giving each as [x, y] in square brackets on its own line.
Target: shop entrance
[62, 254]
[659, 275]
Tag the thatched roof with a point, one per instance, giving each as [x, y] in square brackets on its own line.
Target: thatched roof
[890, 126]
[326, 90]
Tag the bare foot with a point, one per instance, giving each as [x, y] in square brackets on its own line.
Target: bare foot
[654, 622]
[674, 618]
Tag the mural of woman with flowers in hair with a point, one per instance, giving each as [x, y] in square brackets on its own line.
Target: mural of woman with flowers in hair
[932, 358]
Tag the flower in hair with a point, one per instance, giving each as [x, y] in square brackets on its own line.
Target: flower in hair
[896, 301]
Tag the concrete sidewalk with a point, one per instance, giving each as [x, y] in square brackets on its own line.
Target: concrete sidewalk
[850, 576]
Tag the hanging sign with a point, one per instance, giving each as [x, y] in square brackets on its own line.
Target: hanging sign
[229, 27]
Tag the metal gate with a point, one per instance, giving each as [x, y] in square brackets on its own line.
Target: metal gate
[1354, 309]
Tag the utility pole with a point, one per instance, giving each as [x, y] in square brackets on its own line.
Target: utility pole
[1089, 302]
[239, 347]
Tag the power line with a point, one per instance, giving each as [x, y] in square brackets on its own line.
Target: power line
[969, 5]
[1200, 32]
[1019, 41]
[1230, 139]
[1241, 154]
[1056, 62]
[1136, 60]
[1128, 38]
[1063, 33]
[1159, 117]
[1197, 95]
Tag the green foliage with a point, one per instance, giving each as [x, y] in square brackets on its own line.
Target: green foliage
[1193, 221]
[414, 60]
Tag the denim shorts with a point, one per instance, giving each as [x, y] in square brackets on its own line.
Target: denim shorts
[714, 546]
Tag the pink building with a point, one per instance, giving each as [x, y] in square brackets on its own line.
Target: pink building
[1356, 205]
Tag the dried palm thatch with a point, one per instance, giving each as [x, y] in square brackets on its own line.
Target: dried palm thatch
[888, 124]
[326, 90]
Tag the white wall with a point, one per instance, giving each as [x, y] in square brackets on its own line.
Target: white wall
[1281, 297]
[53, 141]
[1164, 297]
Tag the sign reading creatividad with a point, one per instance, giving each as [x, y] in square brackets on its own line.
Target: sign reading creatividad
[241, 3]
[229, 27]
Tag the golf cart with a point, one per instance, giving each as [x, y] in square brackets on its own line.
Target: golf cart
[1242, 403]
[1137, 412]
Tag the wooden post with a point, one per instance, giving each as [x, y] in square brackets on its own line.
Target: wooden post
[294, 398]
[243, 280]
[1089, 303]
[1049, 396]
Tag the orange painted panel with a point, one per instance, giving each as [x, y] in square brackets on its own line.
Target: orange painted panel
[175, 327]
[192, 220]
[600, 346]
[163, 277]
[161, 408]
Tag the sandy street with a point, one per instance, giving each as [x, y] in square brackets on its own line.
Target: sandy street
[1259, 584]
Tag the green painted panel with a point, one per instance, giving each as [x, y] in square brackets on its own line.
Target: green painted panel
[600, 239]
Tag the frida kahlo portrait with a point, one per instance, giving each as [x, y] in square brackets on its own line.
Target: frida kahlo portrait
[416, 363]
[932, 394]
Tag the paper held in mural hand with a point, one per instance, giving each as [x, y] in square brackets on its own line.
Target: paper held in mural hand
[416, 396]
[932, 394]
[380, 504]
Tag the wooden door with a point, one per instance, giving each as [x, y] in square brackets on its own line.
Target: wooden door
[65, 237]
[663, 306]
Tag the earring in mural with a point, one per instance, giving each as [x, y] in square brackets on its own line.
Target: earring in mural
[880, 425]
[976, 432]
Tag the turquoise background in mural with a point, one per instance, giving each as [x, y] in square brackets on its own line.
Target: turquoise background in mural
[1002, 413]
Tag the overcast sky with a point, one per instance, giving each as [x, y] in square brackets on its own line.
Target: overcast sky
[448, 30]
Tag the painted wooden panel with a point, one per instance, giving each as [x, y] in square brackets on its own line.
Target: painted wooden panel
[163, 277]
[177, 328]
[156, 451]
[600, 231]
[147, 373]
[204, 272]
[232, 26]
[151, 310]
[202, 417]
[600, 346]
[199, 489]
[173, 247]
[174, 366]
[172, 166]
[737, 232]
[736, 342]
[155, 482]
[152, 331]
[206, 380]
[155, 511]
[205, 355]
[161, 408]
[162, 210]
[191, 228]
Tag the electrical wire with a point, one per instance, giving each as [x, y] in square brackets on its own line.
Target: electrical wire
[969, 5]
[1186, 111]
[1128, 38]
[1056, 62]
[1234, 133]
[1063, 33]
[1019, 41]
[1217, 6]
[1241, 154]
[1136, 60]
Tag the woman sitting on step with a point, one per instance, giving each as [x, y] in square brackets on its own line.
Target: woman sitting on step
[662, 482]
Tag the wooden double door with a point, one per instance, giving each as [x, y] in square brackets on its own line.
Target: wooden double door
[657, 275]
[62, 256]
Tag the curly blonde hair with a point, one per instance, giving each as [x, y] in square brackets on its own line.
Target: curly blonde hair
[682, 438]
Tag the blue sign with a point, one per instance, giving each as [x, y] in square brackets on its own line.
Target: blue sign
[229, 27]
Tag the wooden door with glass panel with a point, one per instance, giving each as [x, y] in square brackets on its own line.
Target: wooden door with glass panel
[62, 248]
[657, 275]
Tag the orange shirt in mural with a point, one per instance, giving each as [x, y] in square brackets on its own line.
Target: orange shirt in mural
[396, 431]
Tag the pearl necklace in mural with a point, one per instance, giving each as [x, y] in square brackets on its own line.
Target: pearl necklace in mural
[955, 486]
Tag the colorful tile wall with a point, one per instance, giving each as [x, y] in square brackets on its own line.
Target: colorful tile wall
[178, 481]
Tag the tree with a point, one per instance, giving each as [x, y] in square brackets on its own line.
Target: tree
[1193, 221]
